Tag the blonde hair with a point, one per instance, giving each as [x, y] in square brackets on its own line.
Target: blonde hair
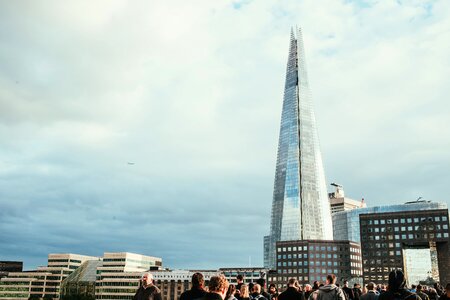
[244, 291]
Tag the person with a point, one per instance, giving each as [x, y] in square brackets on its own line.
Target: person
[239, 283]
[291, 293]
[197, 290]
[147, 290]
[330, 291]
[245, 294]
[273, 292]
[397, 288]
[446, 294]
[308, 291]
[420, 293]
[432, 294]
[256, 293]
[357, 291]
[348, 291]
[217, 287]
[230, 293]
[262, 283]
[372, 293]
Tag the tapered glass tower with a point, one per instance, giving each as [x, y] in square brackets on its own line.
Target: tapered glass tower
[300, 207]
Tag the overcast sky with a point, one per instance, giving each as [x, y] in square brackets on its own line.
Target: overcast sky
[191, 93]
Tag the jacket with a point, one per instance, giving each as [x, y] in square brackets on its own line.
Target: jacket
[330, 292]
[149, 293]
[291, 293]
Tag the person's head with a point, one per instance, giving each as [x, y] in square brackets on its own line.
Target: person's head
[419, 287]
[261, 282]
[345, 283]
[331, 279]
[244, 291]
[308, 287]
[218, 285]
[396, 280]
[273, 289]
[413, 286]
[197, 280]
[231, 291]
[357, 286]
[147, 279]
[292, 282]
[256, 288]
[240, 278]
[315, 285]
[370, 286]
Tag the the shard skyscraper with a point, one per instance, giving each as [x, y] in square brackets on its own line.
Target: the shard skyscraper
[300, 207]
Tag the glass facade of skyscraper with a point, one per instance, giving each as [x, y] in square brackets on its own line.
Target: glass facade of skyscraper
[300, 208]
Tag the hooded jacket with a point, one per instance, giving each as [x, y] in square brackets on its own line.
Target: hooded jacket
[330, 292]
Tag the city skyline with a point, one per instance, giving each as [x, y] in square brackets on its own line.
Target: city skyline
[123, 136]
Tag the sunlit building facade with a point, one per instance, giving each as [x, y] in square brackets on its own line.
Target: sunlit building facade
[300, 207]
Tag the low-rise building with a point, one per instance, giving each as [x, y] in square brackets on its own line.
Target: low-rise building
[310, 260]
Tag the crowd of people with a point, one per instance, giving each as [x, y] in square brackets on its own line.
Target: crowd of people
[219, 289]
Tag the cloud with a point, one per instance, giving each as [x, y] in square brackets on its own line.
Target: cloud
[192, 94]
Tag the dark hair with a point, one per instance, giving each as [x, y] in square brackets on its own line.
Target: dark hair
[261, 282]
[250, 287]
[231, 291]
[331, 278]
[240, 277]
[396, 280]
[419, 287]
[292, 281]
[198, 280]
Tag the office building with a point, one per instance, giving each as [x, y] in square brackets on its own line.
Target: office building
[310, 260]
[249, 274]
[346, 223]
[300, 207]
[118, 275]
[81, 283]
[415, 241]
[10, 266]
[338, 201]
[44, 282]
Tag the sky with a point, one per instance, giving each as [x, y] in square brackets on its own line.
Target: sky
[152, 126]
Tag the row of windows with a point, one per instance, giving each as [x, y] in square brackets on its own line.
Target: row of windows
[134, 283]
[129, 291]
[384, 261]
[405, 228]
[405, 236]
[379, 269]
[384, 253]
[404, 220]
[285, 279]
[383, 245]
[305, 248]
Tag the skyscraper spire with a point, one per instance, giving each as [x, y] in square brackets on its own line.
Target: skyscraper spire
[300, 207]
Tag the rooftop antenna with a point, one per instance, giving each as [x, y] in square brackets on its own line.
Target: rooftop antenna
[418, 199]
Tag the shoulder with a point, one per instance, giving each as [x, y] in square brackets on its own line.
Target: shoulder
[155, 289]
